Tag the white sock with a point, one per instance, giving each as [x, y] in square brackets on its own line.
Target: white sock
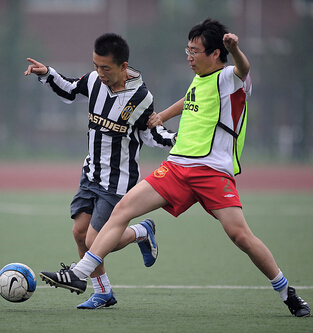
[141, 232]
[280, 284]
[101, 284]
[87, 265]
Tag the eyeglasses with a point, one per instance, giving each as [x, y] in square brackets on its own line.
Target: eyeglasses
[192, 53]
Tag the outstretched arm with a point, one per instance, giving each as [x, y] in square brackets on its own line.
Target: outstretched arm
[241, 62]
[36, 68]
[69, 89]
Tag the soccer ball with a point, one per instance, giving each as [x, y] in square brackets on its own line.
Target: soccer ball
[17, 282]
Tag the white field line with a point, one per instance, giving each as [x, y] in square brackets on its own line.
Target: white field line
[189, 287]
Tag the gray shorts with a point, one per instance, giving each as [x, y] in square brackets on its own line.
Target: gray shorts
[93, 199]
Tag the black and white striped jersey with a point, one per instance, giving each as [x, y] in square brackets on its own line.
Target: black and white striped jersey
[117, 126]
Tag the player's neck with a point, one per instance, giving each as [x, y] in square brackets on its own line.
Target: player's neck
[120, 85]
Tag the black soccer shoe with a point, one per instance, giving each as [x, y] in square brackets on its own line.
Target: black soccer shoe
[297, 306]
[65, 278]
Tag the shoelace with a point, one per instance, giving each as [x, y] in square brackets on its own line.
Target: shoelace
[64, 267]
[296, 301]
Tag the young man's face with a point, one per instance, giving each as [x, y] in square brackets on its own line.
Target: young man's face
[109, 72]
[201, 63]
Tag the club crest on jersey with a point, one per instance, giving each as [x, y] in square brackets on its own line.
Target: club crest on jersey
[159, 173]
[127, 111]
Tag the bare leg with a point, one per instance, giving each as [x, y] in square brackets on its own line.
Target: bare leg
[234, 224]
[138, 201]
[80, 227]
[128, 237]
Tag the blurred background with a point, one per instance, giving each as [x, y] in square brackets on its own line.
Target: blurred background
[276, 36]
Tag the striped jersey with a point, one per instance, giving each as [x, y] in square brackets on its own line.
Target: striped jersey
[117, 126]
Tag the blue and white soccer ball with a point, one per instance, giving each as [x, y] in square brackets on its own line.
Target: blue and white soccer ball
[17, 282]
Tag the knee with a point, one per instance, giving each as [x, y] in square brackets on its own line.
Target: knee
[79, 234]
[120, 206]
[122, 210]
[242, 240]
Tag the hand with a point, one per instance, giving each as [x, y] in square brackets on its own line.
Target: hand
[230, 42]
[36, 68]
[154, 120]
[241, 62]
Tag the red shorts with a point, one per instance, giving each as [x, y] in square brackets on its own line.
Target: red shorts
[183, 186]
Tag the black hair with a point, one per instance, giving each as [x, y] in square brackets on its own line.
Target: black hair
[112, 44]
[211, 33]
